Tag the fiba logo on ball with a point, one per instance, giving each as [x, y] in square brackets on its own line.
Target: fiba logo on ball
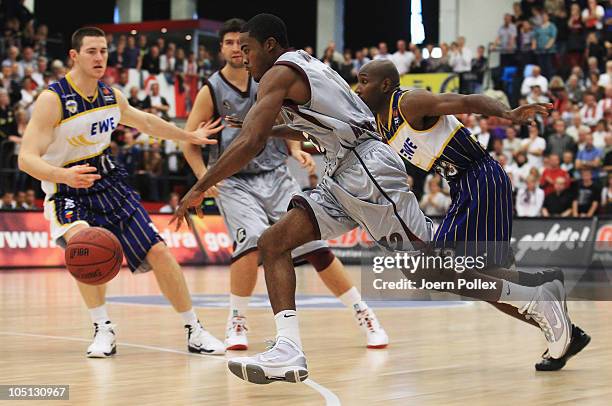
[240, 235]
[79, 252]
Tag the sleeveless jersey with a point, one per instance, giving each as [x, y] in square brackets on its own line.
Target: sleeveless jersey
[334, 119]
[229, 100]
[83, 133]
[447, 146]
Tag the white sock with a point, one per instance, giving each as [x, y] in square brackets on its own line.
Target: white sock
[516, 295]
[352, 299]
[190, 317]
[99, 315]
[238, 305]
[287, 326]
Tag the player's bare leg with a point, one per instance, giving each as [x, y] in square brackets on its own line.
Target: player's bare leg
[285, 360]
[337, 280]
[243, 278]
[104, 338]
[172, 283]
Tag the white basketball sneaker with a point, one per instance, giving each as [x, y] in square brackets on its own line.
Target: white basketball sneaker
[283, 361]
[202, 342]
[103, 345]
[236, 334]
[548, 309]
[368, 322]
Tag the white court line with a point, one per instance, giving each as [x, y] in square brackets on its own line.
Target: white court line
[330, 398]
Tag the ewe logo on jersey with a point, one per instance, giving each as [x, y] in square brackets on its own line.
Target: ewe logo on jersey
[408, 150]
[103, 126]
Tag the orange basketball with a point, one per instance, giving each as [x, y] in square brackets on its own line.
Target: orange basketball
[94, 256]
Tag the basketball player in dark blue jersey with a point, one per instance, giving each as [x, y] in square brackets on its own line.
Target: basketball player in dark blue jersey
[421, 127]
[66, 146]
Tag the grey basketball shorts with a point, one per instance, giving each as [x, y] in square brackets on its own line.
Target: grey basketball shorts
[250, 204]
[368, 189]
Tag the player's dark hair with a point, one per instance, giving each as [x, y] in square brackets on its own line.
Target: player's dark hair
[77, 37]
[264, 26]
[231, 25]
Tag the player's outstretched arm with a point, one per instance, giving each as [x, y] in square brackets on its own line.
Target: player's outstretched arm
[273, 90]
[151, 124]
[202, 112]
[421, 103]
[36, 140]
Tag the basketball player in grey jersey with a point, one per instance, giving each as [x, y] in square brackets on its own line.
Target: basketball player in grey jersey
[364, 185]
[258, 195]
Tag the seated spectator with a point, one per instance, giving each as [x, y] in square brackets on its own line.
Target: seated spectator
[9, 83]
[444, 186]
[587, 195]
[435, 203]
[347, 68]
[605, 104]
[588, 113]
[156, 103]
[328, 59]
[559, 202]
[383, 51]
[150, 62]
[360, 60]
[172, 205]
[606, 197]
[402, 58]
[30, 200]
[576, 127]
[8, 201]
[534, 79]
[529, 199]
[589, 157]
[552, 173]
[484, 136]
[607, 163]
[575, 90]
[20, 201]
[133, 100]
[559, 142]
[536, 96]
[534, 147]
[568, 164]
[594, 88]
[519, 171]
[131, 53]
[605, 78]
[600, 133]
[512, 144]
[418, 65]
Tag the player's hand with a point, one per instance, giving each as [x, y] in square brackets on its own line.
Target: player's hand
[305, 159]
[193, 199]
[526, 114]
[202, 135]
[233, 121]
[80, 176]
[212, 192]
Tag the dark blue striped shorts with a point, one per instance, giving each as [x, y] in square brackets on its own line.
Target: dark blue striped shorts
[479, 221]
[115, 207]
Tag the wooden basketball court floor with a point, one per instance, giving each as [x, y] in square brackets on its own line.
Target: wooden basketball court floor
[467, 354]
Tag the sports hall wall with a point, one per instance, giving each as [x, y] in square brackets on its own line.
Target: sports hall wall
[25, 241]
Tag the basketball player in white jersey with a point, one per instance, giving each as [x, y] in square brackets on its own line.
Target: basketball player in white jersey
[364, 185]
[66, 146]
[258, 195]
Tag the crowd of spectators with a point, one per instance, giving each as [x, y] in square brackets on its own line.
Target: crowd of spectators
[550, 51]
